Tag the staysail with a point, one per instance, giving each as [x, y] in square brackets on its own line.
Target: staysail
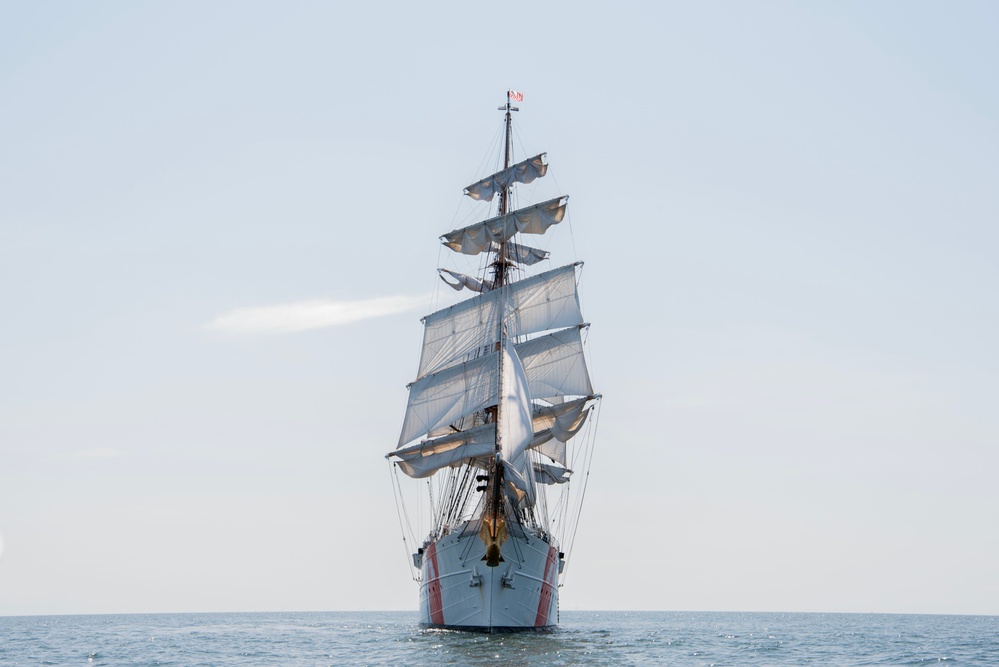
[516, 424]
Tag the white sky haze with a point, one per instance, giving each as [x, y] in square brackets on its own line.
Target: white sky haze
[316, 314]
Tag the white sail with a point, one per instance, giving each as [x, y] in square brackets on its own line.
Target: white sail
[566, 426]
[516, 426]
[548, 446]
[555, 365]
[522, 172]
[481, 236]
[552, 426]
[539, 303]
[441, 398]
[464, 281]
[555, 425]
[426, 458]
[561, 418]
[517, 423]
[522, 254]
[545, 473]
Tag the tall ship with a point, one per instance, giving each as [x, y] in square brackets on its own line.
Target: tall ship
[499, 427]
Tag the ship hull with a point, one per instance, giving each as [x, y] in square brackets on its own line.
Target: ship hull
[459, 592]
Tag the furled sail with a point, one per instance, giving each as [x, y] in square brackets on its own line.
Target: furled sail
[545, 473]
[479, 237]
[521, 254]
[522, 172]
[464, 281]
[539, 303]
[552, 426]
[562, 419]
[426, 458]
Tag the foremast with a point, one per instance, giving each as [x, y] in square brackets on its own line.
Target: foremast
[494, 529]
[501, 265]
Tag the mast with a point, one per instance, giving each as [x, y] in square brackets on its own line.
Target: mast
[501, 269]
[501, 266]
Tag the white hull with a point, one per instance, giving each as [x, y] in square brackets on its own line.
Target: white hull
[458, 591]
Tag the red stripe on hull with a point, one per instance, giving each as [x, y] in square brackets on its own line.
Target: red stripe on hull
[545, 603]
[434, 586]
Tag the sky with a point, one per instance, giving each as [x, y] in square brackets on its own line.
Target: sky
[219, 228]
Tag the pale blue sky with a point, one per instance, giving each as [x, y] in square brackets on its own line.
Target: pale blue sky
[788, 213]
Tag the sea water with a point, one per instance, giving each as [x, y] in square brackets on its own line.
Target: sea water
[583, 638]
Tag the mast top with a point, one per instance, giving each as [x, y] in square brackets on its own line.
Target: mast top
[501, 266]
[512, 95]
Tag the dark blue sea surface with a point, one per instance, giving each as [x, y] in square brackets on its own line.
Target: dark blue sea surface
[583, 638]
